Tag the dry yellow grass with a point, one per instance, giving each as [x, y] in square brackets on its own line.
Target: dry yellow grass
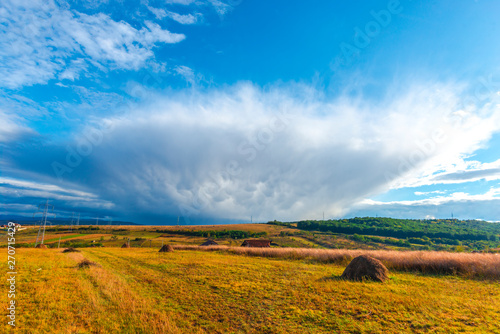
[52, 238]
[473, 265]
[55, 296]
[189, 291]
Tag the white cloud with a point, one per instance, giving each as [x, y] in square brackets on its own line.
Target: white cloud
[12, 189]
[220, 7]
[180, 18]
[295, 153]
[427, 193]
[11, 128]
[461, 205]
[13, 209]
[441, 156]
[74, 69]
[39, 40]
[22, 184]
[457, 171]
[187, 73]
[158, 12]
[493, 193]
[181, 2]
[184, 19]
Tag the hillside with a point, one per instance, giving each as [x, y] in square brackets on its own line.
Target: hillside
[433, 233]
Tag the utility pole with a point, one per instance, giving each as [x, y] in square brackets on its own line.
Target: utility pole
[110, 224]
[44, 209]
[59, 244]
[74, 221]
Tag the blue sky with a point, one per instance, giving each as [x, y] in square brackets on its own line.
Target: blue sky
[214, 110]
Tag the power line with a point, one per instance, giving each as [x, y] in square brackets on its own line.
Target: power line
[75, 221]
[72, 222]
[44, 209]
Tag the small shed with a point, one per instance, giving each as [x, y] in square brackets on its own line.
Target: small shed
[256, 243]
[209, 242]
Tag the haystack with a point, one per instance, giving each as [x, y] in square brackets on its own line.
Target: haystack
[41, 246]
[365, 267]
[70, 250]
[126, 245]
[166, 248]
[86, 264]
[209, 242]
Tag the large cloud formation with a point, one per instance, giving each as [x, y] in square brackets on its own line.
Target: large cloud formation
[283, 152]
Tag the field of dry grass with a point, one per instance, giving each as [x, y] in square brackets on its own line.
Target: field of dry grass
[192, 291]
[480, 265]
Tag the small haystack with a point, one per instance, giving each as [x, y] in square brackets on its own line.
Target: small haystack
[365, 267]
[86, 264]
[41, 246]
[126, 245]
[70, 250]
[209, 242]
[166, 248]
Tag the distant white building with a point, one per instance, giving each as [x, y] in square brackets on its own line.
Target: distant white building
[16, 226]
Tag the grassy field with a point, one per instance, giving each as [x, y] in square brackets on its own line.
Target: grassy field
[139, 290]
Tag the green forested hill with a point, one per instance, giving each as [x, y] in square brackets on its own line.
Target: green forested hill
[415, 231]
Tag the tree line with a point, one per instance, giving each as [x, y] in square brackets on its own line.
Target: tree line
[452, 229]
[233, 234]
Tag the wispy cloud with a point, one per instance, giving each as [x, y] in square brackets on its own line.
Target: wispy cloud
[30, 193]
[459, 204]
[11, 128]
[23, 184]
[220, 7]
[73, 70]
[470, 175]
[427, 193]
[180, 18]
[187, 73]
[455, 171]
[181, 2]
